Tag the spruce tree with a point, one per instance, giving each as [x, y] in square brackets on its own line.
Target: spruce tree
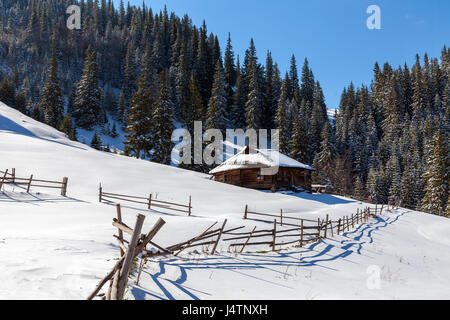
[88, 94]
[281, 119]
[162, 126]
[96, 141]
[139, 139]
[437, 177]
[52, 102]
[253, 106]
[68, 128]
[216, 113]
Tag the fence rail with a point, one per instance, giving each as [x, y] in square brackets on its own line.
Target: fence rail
[149, 201]
[136, 246]
[9, 178]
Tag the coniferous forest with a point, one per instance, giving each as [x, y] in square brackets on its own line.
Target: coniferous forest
[147, 71]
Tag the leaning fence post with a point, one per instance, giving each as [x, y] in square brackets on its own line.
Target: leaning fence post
[99, 192]
[246, 212]
[29, 183]
[219, 236]
[3, 179]
[129, 256]
[248, 239]
[119, 219]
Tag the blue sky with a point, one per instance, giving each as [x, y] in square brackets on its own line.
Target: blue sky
[331, 34]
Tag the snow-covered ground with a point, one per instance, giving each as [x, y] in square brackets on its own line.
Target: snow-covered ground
[54, 247]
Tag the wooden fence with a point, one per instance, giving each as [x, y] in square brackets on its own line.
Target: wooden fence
[9, 177]
[306, 231]
[149, 201]
[136, 246]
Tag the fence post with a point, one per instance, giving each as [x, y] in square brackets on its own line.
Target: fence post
[3, 179]
[246, 212]
[219, 236]
[64, 186]
[150, 201]
[326, 227]
[301, 234]
[29, 183]
[332, 229]
[190, 206]
[248, 239]
[129, 256]
[99, 192]
[357, 216]
[274, 234]
[281, 216]
[13, 174]
[339, 226]
[318, 229]
[353, 221]
[119, 219]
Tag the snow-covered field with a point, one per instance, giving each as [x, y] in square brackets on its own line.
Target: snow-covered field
[54, 247]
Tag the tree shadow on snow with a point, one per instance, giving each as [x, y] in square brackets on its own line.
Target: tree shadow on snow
[10, 126]
[319, 197]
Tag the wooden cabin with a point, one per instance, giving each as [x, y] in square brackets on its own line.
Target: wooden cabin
[264, 170]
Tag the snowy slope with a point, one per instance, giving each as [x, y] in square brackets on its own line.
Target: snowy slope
[54, 247]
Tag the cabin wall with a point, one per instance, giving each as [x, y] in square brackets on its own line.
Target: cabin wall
[251, 178]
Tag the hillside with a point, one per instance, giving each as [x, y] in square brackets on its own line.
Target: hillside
[54, 247]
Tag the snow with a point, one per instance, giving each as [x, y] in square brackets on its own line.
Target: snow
[54, 247]
[260, 158]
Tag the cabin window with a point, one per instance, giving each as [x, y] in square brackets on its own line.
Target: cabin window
[227, 178]
[260, 177]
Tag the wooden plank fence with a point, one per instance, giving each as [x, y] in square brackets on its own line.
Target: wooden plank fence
[7, 177]
[149, 201]
[137, 245]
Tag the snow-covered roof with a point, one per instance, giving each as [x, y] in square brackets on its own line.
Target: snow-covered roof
[260, 158]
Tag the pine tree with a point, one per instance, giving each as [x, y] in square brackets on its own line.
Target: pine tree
[281, 119]
[52, 103]
[162, 126]
[96, 141]
[68, 128]
[88, 95]
[195, 110]
[139, 138]
[128, 84]
[238, 107]
[216, 113]
[229, 72]
[7, 92]
[299, 139]
[437, 177]
[253, 106]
